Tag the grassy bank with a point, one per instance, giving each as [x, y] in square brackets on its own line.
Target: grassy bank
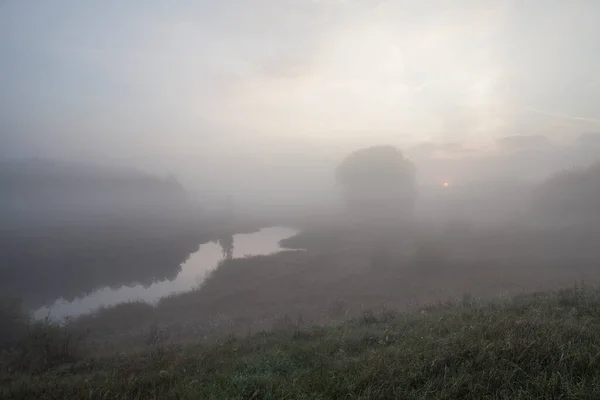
[538, 346]
[321, 287]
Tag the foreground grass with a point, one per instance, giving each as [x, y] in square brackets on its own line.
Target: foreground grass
[539, 346]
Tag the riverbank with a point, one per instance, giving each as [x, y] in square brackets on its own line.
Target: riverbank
[321, 286]
[536, 346]
[48, 263]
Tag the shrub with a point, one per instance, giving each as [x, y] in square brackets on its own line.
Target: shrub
[34, 345]
[14, 320]
[124, 316]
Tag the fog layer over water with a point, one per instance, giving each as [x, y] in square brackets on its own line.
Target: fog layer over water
[193, 272]
[260, 98]
[133, 131]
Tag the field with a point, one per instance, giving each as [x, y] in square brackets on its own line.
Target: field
[344, 279]
[537, 346]
[442, 315]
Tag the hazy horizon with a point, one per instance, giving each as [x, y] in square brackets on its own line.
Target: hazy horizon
[264, 94]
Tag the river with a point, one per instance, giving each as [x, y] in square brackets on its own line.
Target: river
[193, 273]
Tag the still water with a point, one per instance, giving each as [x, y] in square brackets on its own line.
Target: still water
[193, 272]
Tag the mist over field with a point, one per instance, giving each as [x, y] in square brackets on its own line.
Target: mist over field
[277, 173]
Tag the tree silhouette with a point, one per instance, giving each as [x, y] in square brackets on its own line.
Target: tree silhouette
[570, 197]
[378, 184]
[227, 246]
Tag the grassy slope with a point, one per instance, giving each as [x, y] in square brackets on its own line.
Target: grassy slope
[539, 346]
[258, 293]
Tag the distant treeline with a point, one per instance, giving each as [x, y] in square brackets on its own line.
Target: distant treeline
[47, 191]
[69, 229]
[571, 197]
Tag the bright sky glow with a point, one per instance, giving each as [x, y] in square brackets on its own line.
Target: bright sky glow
[210, 80]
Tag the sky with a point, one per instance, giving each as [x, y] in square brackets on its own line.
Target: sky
[268, 88]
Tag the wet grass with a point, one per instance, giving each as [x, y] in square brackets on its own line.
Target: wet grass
[34, 346]
[536, 346]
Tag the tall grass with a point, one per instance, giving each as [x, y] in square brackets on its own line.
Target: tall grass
[33, 346]
[539, 346]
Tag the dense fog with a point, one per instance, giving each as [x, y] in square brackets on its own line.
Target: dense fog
[135, 135]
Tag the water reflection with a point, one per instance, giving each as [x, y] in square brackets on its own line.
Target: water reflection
[191, 274]
[227, 246]
[42, 265]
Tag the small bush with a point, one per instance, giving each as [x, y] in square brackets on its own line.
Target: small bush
[33, 346]
[124, 316]
[46, 345]
[286, 322]
[155, 336]
[368, 318]
[14, 321]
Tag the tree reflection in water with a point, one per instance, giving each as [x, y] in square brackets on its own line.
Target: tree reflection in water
[227, 246]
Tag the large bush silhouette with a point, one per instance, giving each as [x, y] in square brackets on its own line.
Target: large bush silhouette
[378, 184]
[570, 197]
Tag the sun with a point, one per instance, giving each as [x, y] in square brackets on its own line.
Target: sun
[446, 184]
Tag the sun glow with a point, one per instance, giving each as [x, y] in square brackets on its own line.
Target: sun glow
[375, 77]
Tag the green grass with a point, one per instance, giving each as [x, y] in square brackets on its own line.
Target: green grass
[538, 346]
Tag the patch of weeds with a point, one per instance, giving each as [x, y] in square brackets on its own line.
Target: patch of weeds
[43, 346]
[155, 336]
